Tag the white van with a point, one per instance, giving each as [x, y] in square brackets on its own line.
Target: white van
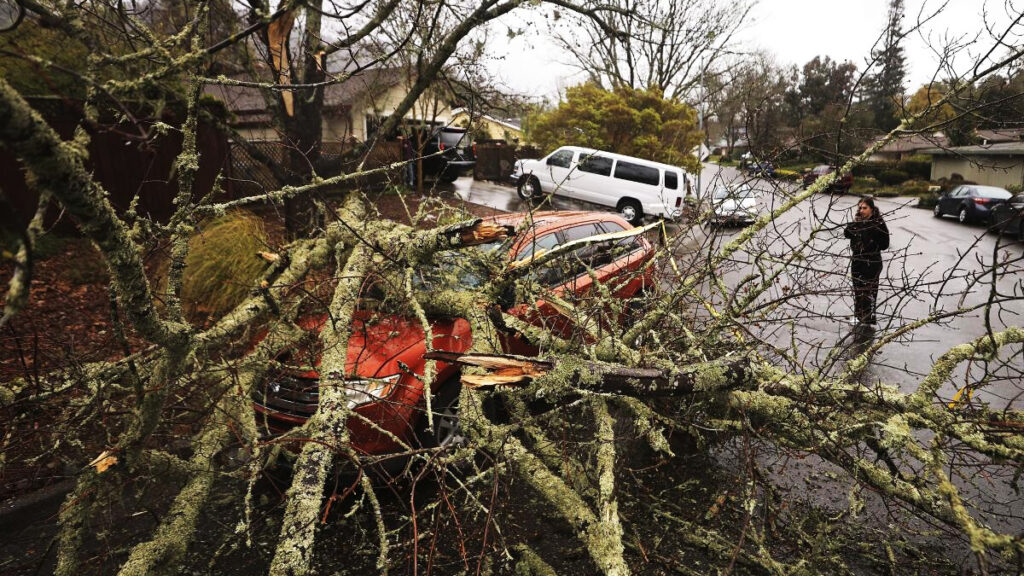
[632, 186]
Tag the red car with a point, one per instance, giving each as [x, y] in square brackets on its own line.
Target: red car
[385, 352]
[842, 185]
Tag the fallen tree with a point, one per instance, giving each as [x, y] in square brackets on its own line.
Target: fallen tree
[703, 358]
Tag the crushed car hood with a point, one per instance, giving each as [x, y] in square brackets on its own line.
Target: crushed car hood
[384, 344]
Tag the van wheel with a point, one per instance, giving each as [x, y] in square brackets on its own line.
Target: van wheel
[447, 430]
[529, 188]
[631, 211]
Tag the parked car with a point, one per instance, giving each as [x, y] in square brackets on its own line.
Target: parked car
[632, 186]
[734, 204]
[457, 157]
[970, 202]
[1008, 217]
[841, 186]
[385, 351]
[761, 169]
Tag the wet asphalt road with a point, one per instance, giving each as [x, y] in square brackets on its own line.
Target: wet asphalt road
[929, 270]
[934, 266]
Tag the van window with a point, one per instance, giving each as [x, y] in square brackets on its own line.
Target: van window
[595, 164]
[637, 173]
[671, 180]
[562, 158]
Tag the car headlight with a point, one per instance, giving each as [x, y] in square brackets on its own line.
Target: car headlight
[367, 390]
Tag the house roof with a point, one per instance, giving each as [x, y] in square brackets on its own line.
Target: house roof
[1001, 149]
[997, 135]
[914, 142]
[249, 103]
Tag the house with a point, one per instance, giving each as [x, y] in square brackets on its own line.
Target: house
[508, 130]
[907, 145]
[999, 164]
[353, 109]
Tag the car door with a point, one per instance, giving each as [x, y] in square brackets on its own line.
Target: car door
[562, 275]
[591, 177]
[950, 203]
[538, 313]
[557, 169]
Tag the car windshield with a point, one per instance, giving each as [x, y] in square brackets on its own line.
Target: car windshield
[735, 193]
[457, 269]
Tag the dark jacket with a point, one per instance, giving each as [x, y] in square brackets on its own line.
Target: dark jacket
[867, 239]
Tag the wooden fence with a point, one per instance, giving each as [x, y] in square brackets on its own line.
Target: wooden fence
[129, 170]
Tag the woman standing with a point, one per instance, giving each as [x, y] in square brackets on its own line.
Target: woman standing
[868, 236]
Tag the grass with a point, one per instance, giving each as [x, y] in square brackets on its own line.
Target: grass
[222, 265]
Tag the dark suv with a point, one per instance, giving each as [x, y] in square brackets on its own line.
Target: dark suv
[842, 185]
[456, 157]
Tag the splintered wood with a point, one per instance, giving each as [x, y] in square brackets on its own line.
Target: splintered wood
[483, 232]
[502, 370]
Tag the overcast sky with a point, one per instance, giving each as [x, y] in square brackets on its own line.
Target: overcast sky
[794, 31]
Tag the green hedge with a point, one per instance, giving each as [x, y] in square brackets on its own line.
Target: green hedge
[892, 177]
[914, 169]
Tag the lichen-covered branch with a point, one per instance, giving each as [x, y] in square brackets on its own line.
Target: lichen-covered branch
[327, 428]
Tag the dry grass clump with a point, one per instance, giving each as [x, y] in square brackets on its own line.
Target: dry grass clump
[222, 265]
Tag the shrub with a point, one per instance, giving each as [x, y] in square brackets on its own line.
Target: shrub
[869, 170]
[892, 177]
[222, 265]
[916, 168]
[928, 201]
[914, 188]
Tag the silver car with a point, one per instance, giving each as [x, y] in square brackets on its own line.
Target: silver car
[734, 204]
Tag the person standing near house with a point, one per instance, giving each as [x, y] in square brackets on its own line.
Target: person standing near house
[409, 156]
[868, 236]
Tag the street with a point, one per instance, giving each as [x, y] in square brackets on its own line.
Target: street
[934, 266]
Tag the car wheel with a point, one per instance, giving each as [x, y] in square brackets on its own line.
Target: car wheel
[937, 210]
[448, 178]
[529, 188]
[447, 430]
[962, 215]
[631, 211]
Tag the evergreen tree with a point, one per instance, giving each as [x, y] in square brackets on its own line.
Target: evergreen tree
[884, 89]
